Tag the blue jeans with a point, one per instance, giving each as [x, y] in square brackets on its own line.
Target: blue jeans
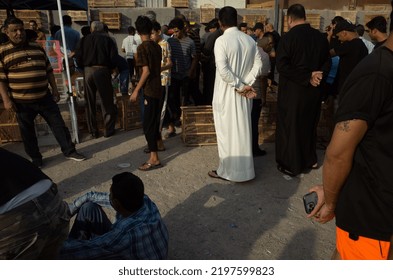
[48, 109]
[91, 221]
[124, 79]
[36, 229]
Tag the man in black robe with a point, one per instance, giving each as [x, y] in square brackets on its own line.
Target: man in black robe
[302, 57]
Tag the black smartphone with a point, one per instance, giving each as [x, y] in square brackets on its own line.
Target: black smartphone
[310, 200]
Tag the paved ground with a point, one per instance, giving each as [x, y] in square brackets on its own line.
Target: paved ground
[206, 218]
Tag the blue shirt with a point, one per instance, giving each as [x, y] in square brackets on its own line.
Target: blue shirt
[71, 36]
[142, 235]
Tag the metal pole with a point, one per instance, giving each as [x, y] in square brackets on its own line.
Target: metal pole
[276, 13]
[71, 103]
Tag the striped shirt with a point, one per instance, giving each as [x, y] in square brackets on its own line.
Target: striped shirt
[183, 51]
[24, 69]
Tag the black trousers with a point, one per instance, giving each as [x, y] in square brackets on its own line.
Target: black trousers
[151, 122]
[131, 66]
[177, 91]
[98, 79]
[48, 109]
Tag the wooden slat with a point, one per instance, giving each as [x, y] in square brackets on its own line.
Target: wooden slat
[180, 3]
[207, 13]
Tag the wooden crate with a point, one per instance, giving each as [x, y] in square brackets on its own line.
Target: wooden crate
[348, 15]
[112, 3]
[198, 126]
[27, 15]
[314, 20]
[129, 113]
[78, 16]
[377, 7]
[252, 19]
[263, 5]
[9, 128]
[207, 13]
[267, 120]
[113, 20]
[368, 17]
[180, 3]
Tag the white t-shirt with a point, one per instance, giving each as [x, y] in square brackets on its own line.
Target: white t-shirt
[129, 45]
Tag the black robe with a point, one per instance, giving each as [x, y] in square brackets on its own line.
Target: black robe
[301, 51]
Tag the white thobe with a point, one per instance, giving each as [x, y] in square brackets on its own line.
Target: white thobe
[238, 63]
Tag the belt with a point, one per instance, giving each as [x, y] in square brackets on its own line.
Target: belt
[98, 66]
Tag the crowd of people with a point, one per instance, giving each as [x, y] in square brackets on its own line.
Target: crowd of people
[160, 68]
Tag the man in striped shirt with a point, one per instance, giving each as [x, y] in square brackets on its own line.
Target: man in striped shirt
[25, 72]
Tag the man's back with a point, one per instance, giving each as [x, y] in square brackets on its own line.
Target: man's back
[303, 50]
[71, 36]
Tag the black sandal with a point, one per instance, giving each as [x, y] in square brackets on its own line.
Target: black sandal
[286, 172]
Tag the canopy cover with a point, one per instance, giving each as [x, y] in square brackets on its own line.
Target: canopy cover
[43, 4]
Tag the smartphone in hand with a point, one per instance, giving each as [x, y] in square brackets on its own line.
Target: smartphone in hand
[310, 200]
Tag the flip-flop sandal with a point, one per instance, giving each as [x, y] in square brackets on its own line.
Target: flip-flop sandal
[214, 175]
[286, 172]
[315, 166]
[148, 166]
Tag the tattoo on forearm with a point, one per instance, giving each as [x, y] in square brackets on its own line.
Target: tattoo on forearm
[344, 126]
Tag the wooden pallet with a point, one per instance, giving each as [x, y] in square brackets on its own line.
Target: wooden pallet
[263, 5]
[129, 113]
[180, 3]
[377, 7]
[112, 3]
[78, 16]
[113, 20]
[207, 13]
[348, 15]
[368, 17]
[9, 128]
[198, 126]
[252, 19]
[314, 20]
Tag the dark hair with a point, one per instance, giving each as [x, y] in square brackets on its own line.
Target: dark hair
[3, 38]
[337, 19]
[176, 23]
[156, 26]
[54, 29]
[131, 30]
[213, 23]
[228, 16]
[67, 20]
[31, 35]
[242, 24]
[379, 23]
[296, 11]
[128, 189]
[143, 25]
[106, 28]
[12, 20]
[85, 30]
[359, 30]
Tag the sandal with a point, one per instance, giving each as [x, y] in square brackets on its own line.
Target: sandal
[170, 135]
[148, 166]
[214, 175]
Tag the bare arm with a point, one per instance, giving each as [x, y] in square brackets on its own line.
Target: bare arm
[336, 166]
[142, 81]
[168, 64]
[53, 85]
[8, 104]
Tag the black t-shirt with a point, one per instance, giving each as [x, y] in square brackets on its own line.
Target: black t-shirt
[17, 174]
[365, 204]
[350, 53]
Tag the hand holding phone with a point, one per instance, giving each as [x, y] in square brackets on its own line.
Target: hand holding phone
[310, 200]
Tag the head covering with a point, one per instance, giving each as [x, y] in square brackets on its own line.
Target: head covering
[344, 25]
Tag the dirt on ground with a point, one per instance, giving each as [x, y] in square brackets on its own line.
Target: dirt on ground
[206, 218]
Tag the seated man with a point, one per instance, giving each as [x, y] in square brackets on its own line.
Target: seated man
[138, 233]
[34, 219]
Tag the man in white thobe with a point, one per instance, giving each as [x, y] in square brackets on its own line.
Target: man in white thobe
[238, 63]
